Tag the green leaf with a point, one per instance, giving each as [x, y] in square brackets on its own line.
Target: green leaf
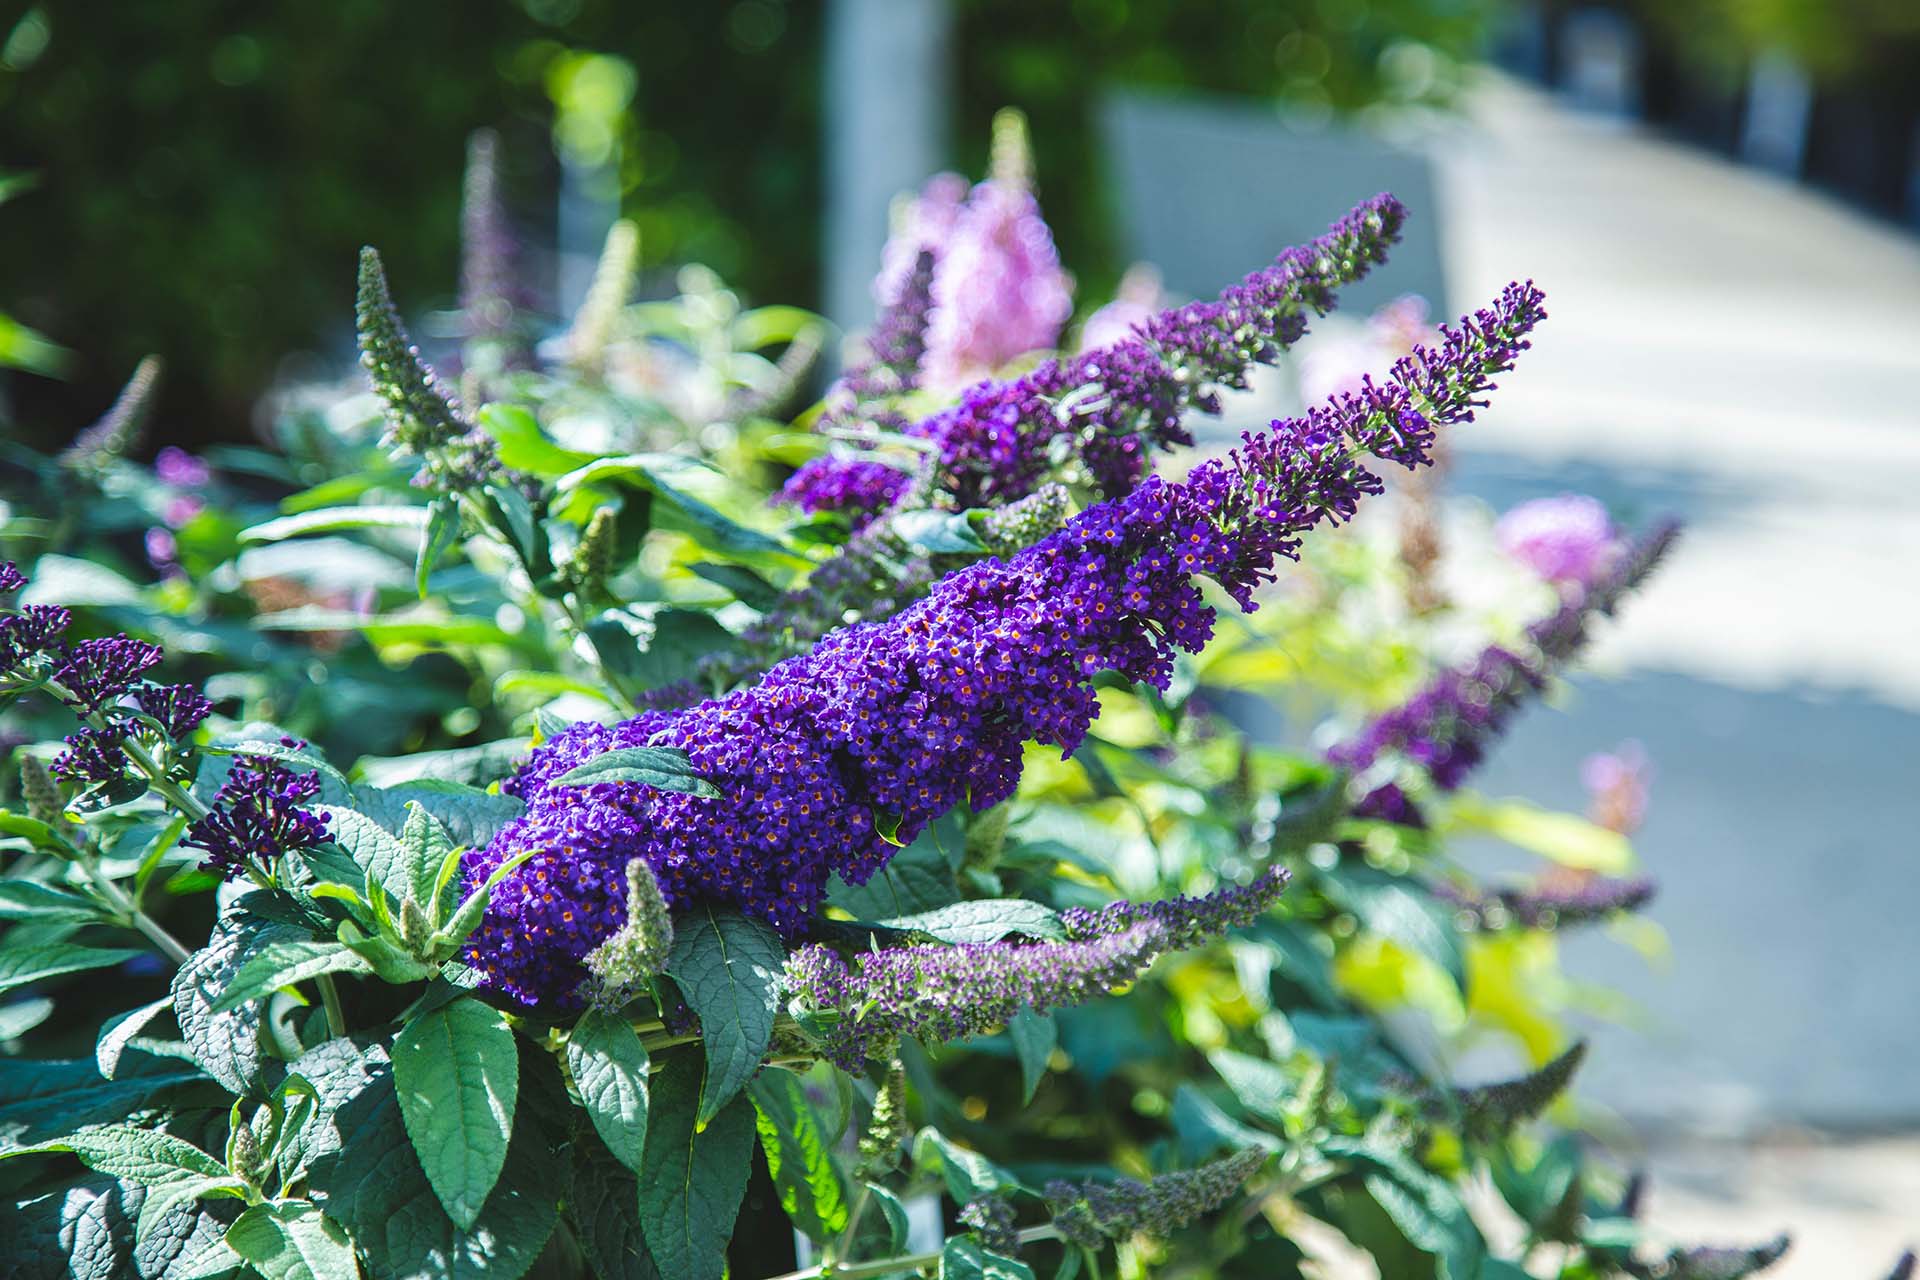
[939, 532]
[982, 920]
[680, 511]
[895, 1215]
[36, 833]
[746, 586]
[1034, 1036]
[1262, 1088]
[442, 531]
[22, 1016]
[305, 757]
[457, 1074]
[226, 1045]
[331, 518]
[968, 1174]
[428, 847]
[292, 1241]
[376, 851]
[918, 879]
[666, 768]
[1402, 911]
[965, 1258]
[20, 965]
[479, 764]
[283, 964]
[728, 967]
[605, 1212]
[42, 904]
[121, 1028]
[471, 816]
[692, 1180]
[609, 1066]
[137, 1155]
[40, 1100]
[653, 646]
[799, 1155]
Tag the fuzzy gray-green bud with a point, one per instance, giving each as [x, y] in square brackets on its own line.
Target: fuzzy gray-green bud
[592, 559]
[1019, 525]
[41, 794]
[623, 964]
[887, 1129]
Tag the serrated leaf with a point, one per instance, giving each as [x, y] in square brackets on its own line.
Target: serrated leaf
[364, 1174]
[471, 816]
[138, 1155]
[42, 904]
[1034, 1036]
[982, 920]
[292, 1241]
[666, 768]
[283, 963]
[456, 1073]
[609, 1067]
[692, 1180]
[442, 531]
[20, 965]
[330, 518]
[226, 1045]
[728, 967]
[799, 1155]
[965, 1258]
[121, 1028]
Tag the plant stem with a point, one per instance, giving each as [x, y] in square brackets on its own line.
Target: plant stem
[330, 998]
[117, 898]
[906, 1262]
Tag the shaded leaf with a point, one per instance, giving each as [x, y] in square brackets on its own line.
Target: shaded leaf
[728, 967]
[457, 1075]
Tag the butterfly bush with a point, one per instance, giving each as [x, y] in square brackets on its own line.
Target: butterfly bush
[837, 756]
[1567, 539]
[1092, 1213]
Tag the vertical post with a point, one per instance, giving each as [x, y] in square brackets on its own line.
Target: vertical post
[888, 86]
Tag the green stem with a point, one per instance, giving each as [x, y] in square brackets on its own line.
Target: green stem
[146, 924]
[330, 998]
[651, 1043]
[843, 1245]
[905, 1262]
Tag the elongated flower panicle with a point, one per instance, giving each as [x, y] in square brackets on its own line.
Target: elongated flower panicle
[422, 417]
[258, 815]
[896, 347]
[607, 294]
[1447, 726]
[990, 1219]
[1555, 905]
[999, 290]
[1187, 921]
[840, 754]
[118, 431]
[887, 1128]
[946, 992]
[1487, 1112]
[1092, 1213]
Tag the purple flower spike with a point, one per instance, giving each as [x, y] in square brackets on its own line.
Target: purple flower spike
[1565, 539]
[861, 488]
[178, 707]
[31, 631]
[11, 579]
[98, 673]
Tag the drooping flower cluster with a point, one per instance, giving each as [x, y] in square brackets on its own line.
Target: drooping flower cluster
[1568, 539]
[1557, 904]
[1713, 1262]
[840, 753]
[258, 815]
[422, 418]
[946, 992]
[1092, 1213]
[1446, 728]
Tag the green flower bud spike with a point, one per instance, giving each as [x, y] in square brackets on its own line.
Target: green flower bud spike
[624, 964]
[593, 327]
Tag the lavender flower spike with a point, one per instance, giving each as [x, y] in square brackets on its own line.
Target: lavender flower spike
[946, 992]
[486, 244]
[1092, 1213]
[840, 754]
[1554, 905]
[117, 433]
[1489, 1111]
[1447, 726]
[1713, 1262]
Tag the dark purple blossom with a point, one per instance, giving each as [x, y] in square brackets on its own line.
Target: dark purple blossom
[258, 815]
[895, 347]
[838, 755]
[179, 708]
[11, 579]
[990, 1218]
[1186, 921]
[860, 487]
[33, 630]
[93, 755]
[98, 673]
